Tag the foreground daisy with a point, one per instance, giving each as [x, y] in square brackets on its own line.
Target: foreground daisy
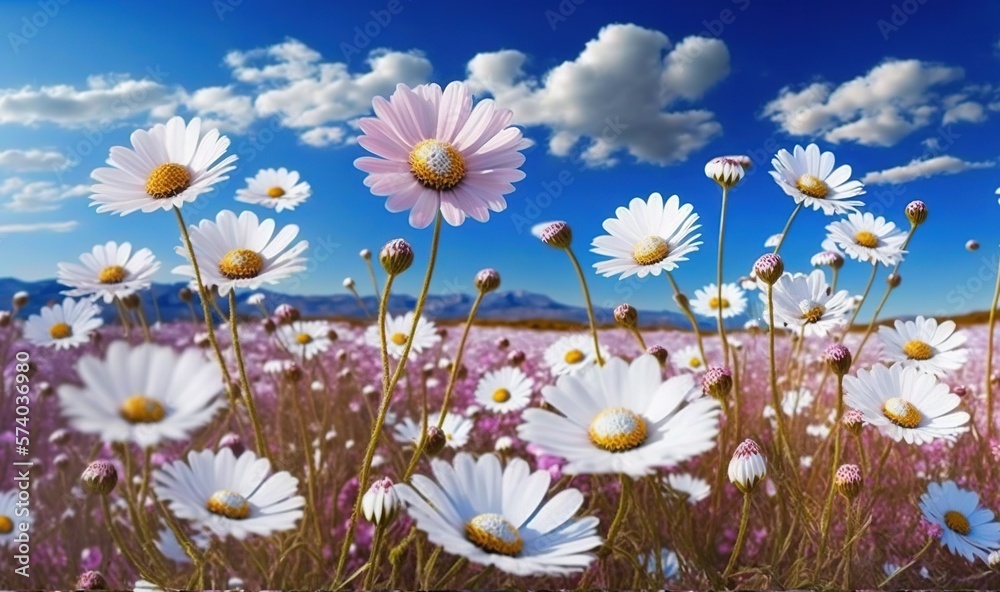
[906, 404]
[808, 177]
[647, 237]
[571, 354]
[925, 345]
[689, 358]
[109, 271]
[275, 188]
[231, 497]
[436, 152]
[867, 238]
[144, 394]
[504, 390]
[622, 418]
[456, 429]
[498, 516]
[167, 166]
[397, 331]
[242, 252]
[65, 325]
[968, 528]
[802, 303]
[305, 339]
[706, 301]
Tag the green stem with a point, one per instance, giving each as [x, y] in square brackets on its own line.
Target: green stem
[682, 302]
[888, 290]
[258, 430]
[456, 364]
[590, 307]
[861, 303]
[834, 465]
[371, 272]
[989, 359]
[779, 411]
[638, 335]
[920, 553]
[722, 242]
[740, 537]
[784, 233]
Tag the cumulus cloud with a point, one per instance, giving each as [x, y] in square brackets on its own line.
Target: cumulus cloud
[968, 111]
[37, 196]
[39, 227]
[629, 90]
[104, 98]
[923, 168]
[879, 108]
[32, 160]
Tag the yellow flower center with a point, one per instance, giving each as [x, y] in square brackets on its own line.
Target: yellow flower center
[142, 409]
[398, 338]
[6, 524]
[168, 180]
[902, 413]
[494, 534]
[617, 429]
[501, 395]
[866, 239]
[303, 339]
[241, 264]
[228, 504]
[918, 350]
[112, 274]
[275, 192]
[812, 186]
[574, 356]
[437, 165]
[650, 250]
[61, 331]
[716, 303]
[814, 314]
[695, 362]
[957, 522]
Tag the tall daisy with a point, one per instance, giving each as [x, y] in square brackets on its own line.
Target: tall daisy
[167, 166]
[242, 252]
[144, 394]
[689, 358]
[436, 152]
[230, 496]
[867, 238]
[647, 237]
[65, 325]
[808, 177]
[968, 529]
[504, 390]
[571, 354]
[707, 303]
[456, 428]
[906, 404]
[925, 345]
[623, 418]
[498, 516]
[109, 271]
[305, 338]
[275, 188]
[803, 302]
[397, 332]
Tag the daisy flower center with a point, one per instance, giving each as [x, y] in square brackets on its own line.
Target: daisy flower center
[241, 264]
[918, 350]
[303, 339]
[494, 534]
[61, 331]
[902, 413]
[398, 338]
[694, 363]
[650, 250]
[501, 395]
[716, 303]
[112, 274]
[437, 165]
[812, 186]
[574, 356]
[6, 524]
[275, 192]
[228, 504]
[865, 238]
[617, 429]
[813, 314]
[142, 409]
[957, 522]
[168, 180]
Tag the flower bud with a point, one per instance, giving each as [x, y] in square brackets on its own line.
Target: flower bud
[131, 301]
[381, 503]
[234, 442]
[185, 294]
[20, 299]
[682, 301]
[769, 268]
[91, 580]
[396, 257]
[269, 326]
[515, 357]
[435, 441]
[838, 358]
[99, 478]
[487, 280]
[848, 481]
[727, 170]
[503, 444]
[916, 212]
[286, 314]
[5, 318]
[555, 234]
[853, 420]
[365, 254]
[502, 343]
[659, 352]
[972, 245]
[993, 560]
[748, 467]
[626, 316]
[893, 279]
[349, 283]
[717, 383]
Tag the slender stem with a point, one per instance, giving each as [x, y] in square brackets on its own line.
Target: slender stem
[920, 553]
[373, 557]
[126, 328]
[740, 537]
[834, 465]
[258, 430]
[836, 276]
[989, 359]
[718, 308]
[784, 233]
[145, 326]
[638, 335]
[623, 503]
[360, 301]
[590, 307]
[779, 411]
[117, 536]
[371, 272]
[156, 305]
[861, 303]
[451, 573]
[682, 302]
[456, 364]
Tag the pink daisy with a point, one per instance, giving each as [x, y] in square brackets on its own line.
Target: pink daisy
[436, 152]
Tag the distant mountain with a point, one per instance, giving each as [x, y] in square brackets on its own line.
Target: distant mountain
[515, 306]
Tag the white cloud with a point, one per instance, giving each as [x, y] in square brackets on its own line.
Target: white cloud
[880, 108]
[39, 227]
[105, 98]
[323, 136]
[919, 169]
[969, 111]
[222, 108]
[38, 196]
[32, 160]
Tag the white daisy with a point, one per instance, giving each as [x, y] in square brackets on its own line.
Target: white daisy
[456, 429]
[242, 252]
[867, 238]
[925, 345]
[9, 520]
[706, 301]
[305, 338]
[793, 403]
[171, 548]
[144, 394]
[168, 165]
[622, 418]
[968, 528]
[397, 330]
[689, 358]
[809, 178]
[571, 354]
[802, 300]
[691, 487]
[65, 325]
[906, 404]
[647, 237]
[231, 497]
[109, 271]
[498, 517]
[504, 390]
[279, 189]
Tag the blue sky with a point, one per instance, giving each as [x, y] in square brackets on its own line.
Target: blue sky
[904, 92]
